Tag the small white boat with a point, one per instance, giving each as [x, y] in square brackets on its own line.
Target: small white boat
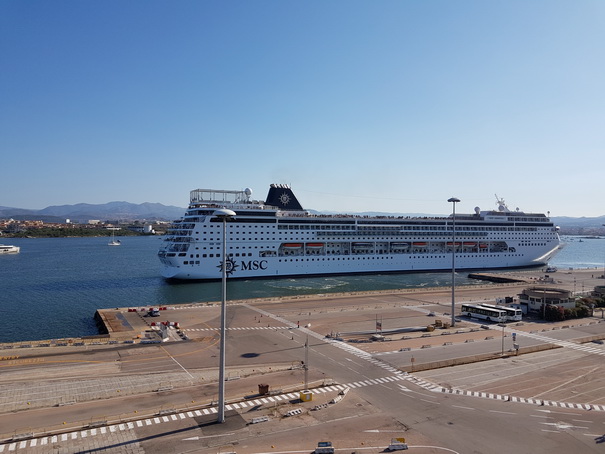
[8, 249]
[113, 241]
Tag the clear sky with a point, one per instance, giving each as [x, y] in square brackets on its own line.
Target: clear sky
[359, 105]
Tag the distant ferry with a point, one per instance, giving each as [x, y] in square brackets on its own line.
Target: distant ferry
[7, 249]
[278, 238]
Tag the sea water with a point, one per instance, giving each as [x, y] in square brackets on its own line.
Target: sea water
[53, 287]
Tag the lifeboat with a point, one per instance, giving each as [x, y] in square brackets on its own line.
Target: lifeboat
[315, 245]
[483, 246]
[400, 245]
[363, 245]
[469, 244]
[292, 245]
[450, 244]
[419, 244]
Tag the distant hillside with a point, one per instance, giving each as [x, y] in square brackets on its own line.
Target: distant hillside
[580, 226]
[579, 222]
[83, 212]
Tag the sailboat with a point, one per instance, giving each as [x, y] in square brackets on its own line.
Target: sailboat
[113, 241]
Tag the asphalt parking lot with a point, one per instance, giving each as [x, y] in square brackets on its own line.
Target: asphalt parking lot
[132, 374]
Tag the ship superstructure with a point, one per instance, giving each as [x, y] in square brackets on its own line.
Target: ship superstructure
[278, 238]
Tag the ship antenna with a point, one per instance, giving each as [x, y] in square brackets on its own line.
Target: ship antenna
[501, 204]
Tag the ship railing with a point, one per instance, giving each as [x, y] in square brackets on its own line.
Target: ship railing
[249, 207]
[217, 196]
[178, 239]
[194, 219]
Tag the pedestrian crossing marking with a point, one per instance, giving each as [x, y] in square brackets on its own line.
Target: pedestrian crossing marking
[241, 328]
[565, 344]
[399, 375]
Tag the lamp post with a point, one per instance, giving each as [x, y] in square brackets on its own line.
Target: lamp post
[604, 263]
[224, 215]
[453, 201]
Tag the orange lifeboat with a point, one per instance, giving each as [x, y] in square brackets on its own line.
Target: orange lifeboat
[419, 244]
[315, 245]
[292, 245]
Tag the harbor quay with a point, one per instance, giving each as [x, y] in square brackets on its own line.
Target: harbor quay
[120, 391]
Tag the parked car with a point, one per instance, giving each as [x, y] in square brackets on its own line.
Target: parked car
[324, 447]
[397, 444]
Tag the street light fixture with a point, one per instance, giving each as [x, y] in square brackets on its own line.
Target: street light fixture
[224, 215]
[604, 263]
[453, 201]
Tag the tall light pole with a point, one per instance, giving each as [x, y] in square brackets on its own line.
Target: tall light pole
[453, 201]
[224, 215]
[604, 263]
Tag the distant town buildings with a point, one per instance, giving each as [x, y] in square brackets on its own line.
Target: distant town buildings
[146, 229]
[12, 226]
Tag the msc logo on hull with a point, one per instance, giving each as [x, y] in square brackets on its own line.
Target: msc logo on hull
[250, 265]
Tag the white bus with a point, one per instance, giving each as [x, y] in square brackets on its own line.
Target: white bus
[512, 314]
[485, 313]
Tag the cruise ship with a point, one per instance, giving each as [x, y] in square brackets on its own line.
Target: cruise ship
[278, 238]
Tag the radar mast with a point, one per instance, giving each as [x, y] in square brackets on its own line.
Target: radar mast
[502, 207]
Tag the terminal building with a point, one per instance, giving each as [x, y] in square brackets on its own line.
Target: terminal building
[531, 299]
[599, 291]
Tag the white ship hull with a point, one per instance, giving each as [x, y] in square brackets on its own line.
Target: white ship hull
[266, 241]
[273, 268]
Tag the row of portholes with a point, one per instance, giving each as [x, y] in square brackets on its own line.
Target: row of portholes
[333, 259]
[389, 257]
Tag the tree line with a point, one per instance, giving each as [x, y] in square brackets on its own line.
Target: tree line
[63, 232]
[584, 308]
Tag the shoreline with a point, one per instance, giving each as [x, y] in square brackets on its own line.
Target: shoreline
[114, 328]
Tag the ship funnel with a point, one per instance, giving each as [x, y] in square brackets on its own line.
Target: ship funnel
[282, 197]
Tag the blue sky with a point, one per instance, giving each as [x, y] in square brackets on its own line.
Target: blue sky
[359, 105]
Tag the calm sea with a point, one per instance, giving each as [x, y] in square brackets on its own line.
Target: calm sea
[54, 286]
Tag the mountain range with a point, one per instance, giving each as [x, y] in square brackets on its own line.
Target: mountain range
[151, 212]
[84, 212]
